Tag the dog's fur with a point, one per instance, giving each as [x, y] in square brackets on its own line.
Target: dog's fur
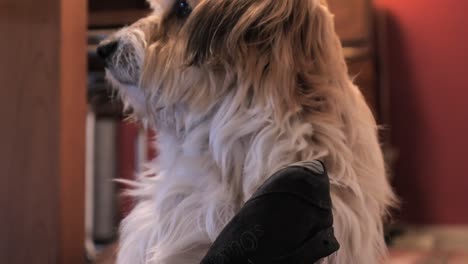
[237, 90]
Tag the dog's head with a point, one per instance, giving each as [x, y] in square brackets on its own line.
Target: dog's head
[196, 53]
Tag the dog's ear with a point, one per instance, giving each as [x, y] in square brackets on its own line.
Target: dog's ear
[227, 30]
[209, 26]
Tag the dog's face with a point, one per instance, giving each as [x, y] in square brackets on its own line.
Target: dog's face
[194, 53]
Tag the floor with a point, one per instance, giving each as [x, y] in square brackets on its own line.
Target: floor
[415, 257]
[430, 245]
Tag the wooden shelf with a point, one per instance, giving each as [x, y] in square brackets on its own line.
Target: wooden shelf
[115, 18]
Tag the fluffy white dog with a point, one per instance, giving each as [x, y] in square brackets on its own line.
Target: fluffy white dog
[238, 89]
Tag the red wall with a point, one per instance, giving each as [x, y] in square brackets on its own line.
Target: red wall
[429, 78]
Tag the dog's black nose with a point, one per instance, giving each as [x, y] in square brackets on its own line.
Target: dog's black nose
[106, 49]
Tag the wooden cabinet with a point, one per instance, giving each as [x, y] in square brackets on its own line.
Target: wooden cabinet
[353, 20]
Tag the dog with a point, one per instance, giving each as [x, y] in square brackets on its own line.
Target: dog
[236, 90]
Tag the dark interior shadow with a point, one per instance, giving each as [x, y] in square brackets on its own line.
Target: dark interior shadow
[407, 130]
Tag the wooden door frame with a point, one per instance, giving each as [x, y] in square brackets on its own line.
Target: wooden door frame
[42, 134]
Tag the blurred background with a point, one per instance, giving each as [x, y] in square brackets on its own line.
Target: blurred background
[63, 138]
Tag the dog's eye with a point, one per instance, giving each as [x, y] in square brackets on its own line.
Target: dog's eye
[182, 9]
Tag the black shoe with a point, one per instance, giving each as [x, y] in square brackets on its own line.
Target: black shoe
[288, 220]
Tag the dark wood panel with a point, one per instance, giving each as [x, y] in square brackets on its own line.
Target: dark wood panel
[363, 70]
[115, 18]
[115, 13]
[100, 5]
[353, 20]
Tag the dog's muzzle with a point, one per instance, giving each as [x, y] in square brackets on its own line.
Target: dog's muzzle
[121, 59]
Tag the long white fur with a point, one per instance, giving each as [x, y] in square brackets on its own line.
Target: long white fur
[205, 173]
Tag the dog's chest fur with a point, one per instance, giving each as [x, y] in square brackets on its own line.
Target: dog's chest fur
[207, 169]
[204, 177]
